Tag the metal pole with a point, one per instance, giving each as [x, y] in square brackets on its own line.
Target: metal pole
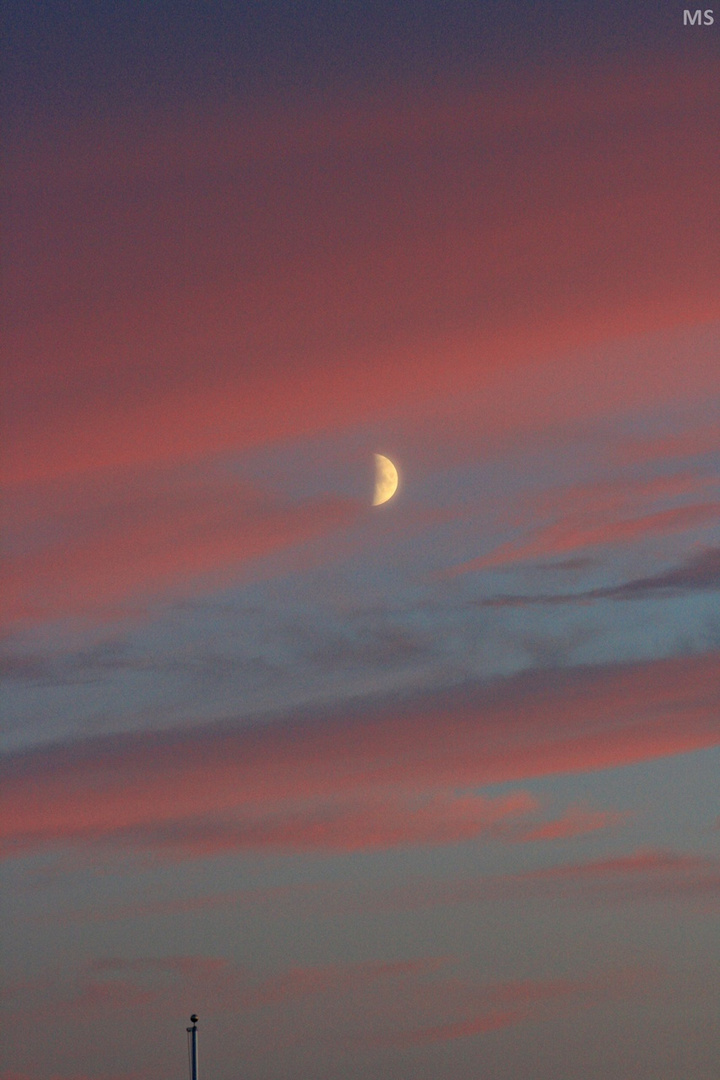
[193, 1047]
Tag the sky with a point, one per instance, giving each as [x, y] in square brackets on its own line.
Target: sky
[416, 790]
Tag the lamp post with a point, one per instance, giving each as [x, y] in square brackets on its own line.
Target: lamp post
[192, 1032]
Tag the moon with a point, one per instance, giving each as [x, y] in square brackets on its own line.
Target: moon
[386, 480]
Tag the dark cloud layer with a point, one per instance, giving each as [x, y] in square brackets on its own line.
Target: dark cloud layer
[698, 573]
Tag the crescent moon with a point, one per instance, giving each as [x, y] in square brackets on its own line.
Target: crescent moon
[386, 480]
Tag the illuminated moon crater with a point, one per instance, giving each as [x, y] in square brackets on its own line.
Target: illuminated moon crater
[386, 480]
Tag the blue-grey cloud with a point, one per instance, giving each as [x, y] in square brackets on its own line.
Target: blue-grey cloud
[699, 573]
[364, 773]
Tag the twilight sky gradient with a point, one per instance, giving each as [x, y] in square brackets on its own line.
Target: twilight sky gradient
[421, 790]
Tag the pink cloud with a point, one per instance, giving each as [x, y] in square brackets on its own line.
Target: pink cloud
[513, 819]
[677, 446]
[394, 773]
[573, 822]
[457, 1006]
[150, 984]
[93, 545]
[463, 1029]
[604, 514]
[373, 1003]
[185, 336]
[650, 872]
[503, 1004]
[533, 1000]
[646, 875]
[180, 339]
[372, 821]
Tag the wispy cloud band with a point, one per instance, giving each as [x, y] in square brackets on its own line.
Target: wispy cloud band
[371, 774]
